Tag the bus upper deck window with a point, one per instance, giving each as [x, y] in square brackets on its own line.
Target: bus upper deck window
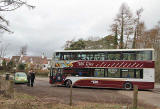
[114, 56]
[144, 55]
[128, 56]
[57, 56]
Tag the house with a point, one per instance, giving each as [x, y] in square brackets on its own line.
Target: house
[15, 59]
[35, 62]
[6, 59]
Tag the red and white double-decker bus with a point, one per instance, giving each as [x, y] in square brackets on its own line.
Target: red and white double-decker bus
[112, 68]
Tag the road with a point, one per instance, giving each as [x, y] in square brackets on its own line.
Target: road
[46, 92]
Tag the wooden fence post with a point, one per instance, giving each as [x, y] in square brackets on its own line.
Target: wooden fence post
[10, 89]
[0, 83]
[135, 97]
[124, 107]
[71, 95]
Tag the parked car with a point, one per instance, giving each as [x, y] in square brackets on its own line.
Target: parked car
[20, 77]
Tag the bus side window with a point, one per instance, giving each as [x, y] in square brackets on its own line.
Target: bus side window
[114, 56]
[114, 73]
[62, 56]
[99, 73]
[144, 55]
[57, 56]
[139, 73]
[128, 56]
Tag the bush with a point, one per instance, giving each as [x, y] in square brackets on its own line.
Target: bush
[42, 72]
[21, 67]
[1, 68]
[2, 72]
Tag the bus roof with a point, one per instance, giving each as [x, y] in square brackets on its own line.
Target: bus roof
[103, 50]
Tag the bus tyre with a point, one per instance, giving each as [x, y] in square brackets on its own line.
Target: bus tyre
[68, 83]
[128, 86]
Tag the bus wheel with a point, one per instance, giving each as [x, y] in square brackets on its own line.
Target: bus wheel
[128, 86]
[68, 83]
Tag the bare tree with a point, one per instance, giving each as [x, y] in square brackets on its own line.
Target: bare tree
[68, 44]
[10, 5]
[3, 49]
[23, 50]
[123, 24]
[3, 24]
[138, 29]
[157, 43]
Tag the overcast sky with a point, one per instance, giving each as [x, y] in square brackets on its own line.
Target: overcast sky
[52, 22]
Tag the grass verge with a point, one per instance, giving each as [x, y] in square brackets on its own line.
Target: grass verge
[25, 101]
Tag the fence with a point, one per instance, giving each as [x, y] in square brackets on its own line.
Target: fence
[134, 103]
[7, 90]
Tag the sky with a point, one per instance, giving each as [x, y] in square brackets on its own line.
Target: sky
[47, 27]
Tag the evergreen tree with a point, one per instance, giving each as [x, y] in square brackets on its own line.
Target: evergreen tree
[134, 41]
[124, 23]
[21, 67]
[110, 42]
[4, 64]
[78, 45]
[10, 65]
[116, 39]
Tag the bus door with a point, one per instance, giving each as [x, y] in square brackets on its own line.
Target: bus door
[99, 74]
[51, 76]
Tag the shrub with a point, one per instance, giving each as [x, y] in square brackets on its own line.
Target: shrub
[21, 67]
[42, 72]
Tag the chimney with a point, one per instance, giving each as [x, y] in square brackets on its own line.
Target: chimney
[42, 55]
[21, 55]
